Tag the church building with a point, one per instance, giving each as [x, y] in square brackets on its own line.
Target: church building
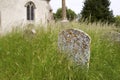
[21, 12]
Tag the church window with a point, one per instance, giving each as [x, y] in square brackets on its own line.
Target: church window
[30, 10]
[32, 13]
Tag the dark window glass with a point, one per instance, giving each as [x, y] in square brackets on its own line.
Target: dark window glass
[28, 12]
[32, 13]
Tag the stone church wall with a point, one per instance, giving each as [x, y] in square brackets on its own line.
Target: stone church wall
[14, 13]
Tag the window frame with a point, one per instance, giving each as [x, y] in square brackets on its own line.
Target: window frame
[30, 11]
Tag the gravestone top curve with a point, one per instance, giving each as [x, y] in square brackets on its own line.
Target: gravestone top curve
[76, 43]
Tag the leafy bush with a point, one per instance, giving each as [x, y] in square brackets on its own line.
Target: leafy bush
[117, 21]
[71, 15]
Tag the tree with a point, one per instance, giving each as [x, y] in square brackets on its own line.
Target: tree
[97, 10]
[71, 15]
[117, 21]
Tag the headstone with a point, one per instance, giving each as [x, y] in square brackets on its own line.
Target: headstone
[29, 32]
[76, 44]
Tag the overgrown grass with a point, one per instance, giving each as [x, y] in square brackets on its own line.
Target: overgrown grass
[24, 56]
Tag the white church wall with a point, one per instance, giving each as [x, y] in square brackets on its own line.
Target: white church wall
[0, 19]
[14, 13]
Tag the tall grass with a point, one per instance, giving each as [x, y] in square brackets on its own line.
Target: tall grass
[25, 56]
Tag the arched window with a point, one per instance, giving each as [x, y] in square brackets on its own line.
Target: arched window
[28, 12]
[32, 13]
[30, 6]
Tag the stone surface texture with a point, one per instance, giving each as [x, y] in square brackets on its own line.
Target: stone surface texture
[76, 44]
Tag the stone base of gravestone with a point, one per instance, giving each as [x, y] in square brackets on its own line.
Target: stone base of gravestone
[76, 44]
[64, 21]
[29, 32]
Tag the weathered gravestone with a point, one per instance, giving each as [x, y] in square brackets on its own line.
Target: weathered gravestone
[76, 44]
[29, 33]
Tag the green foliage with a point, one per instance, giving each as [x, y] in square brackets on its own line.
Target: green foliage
[58, 14]
[71, 15]
[26, 57]
[97, 10]
[117, 21]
